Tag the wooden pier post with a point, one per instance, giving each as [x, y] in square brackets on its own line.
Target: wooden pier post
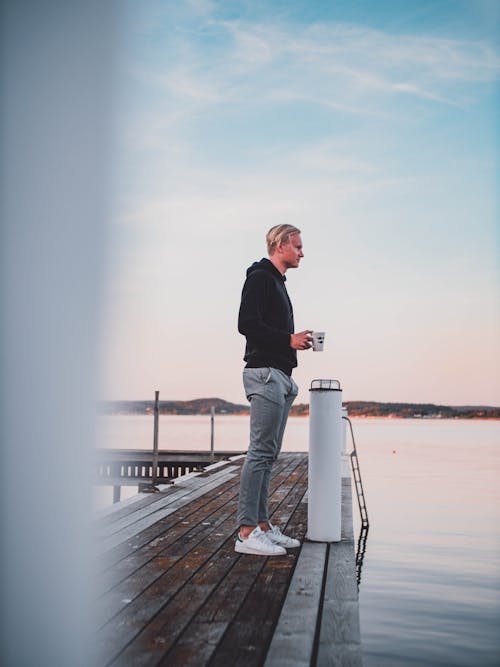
[116, 493]
[212, 415]
[154, 472]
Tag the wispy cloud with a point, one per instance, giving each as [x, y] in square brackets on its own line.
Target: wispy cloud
[347, 69]
[247, 72]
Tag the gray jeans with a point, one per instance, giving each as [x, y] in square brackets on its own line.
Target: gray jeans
[271, 394]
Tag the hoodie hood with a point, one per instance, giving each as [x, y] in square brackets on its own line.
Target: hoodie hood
[266, 265]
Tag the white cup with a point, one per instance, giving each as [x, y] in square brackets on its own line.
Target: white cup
[318, 340]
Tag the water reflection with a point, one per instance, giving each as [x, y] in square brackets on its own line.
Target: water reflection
[360, 552]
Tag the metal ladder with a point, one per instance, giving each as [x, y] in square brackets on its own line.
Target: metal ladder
[357, 480]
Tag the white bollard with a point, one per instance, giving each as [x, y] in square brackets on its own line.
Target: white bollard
[325, 444]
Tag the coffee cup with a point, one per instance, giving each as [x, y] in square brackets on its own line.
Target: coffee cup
[318, 340]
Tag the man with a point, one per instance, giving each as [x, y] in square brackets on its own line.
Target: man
[266, 319]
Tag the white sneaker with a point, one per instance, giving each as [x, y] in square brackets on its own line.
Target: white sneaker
[275, 536]
[258, 544]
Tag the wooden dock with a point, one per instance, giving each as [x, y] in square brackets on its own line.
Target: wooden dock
[134, 467]
[174, 592]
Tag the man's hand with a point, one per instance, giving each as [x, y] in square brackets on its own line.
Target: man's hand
[301, 341]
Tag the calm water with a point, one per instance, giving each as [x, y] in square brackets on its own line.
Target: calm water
[430, 586]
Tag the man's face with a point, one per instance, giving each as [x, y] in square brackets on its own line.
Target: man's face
[291, 252]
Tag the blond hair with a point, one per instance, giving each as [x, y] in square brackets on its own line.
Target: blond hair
[279, 235]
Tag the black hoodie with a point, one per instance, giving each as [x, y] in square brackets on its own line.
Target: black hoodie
[266, 319]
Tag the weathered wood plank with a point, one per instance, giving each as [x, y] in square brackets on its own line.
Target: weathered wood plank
[340, 631]
[341, 580]
[156, 541]
[108, 515]
[137, 527]
[216, 556]
[134, 619]
[347, 530]
[220, 608]
[179, 565]
[179, 491]
[344, 655]
[177, 594]
[157, 530]
[248, 636]
[143, 568]
[293, 640]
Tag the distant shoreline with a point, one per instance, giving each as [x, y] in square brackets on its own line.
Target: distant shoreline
[359, 409]
[300, 416]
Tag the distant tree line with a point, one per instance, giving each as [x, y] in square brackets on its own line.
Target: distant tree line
[201, 406]
[415, 410]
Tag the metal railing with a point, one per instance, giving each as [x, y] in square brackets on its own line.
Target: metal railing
[357, 479]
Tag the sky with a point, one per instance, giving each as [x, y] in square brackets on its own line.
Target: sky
[370, 126]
